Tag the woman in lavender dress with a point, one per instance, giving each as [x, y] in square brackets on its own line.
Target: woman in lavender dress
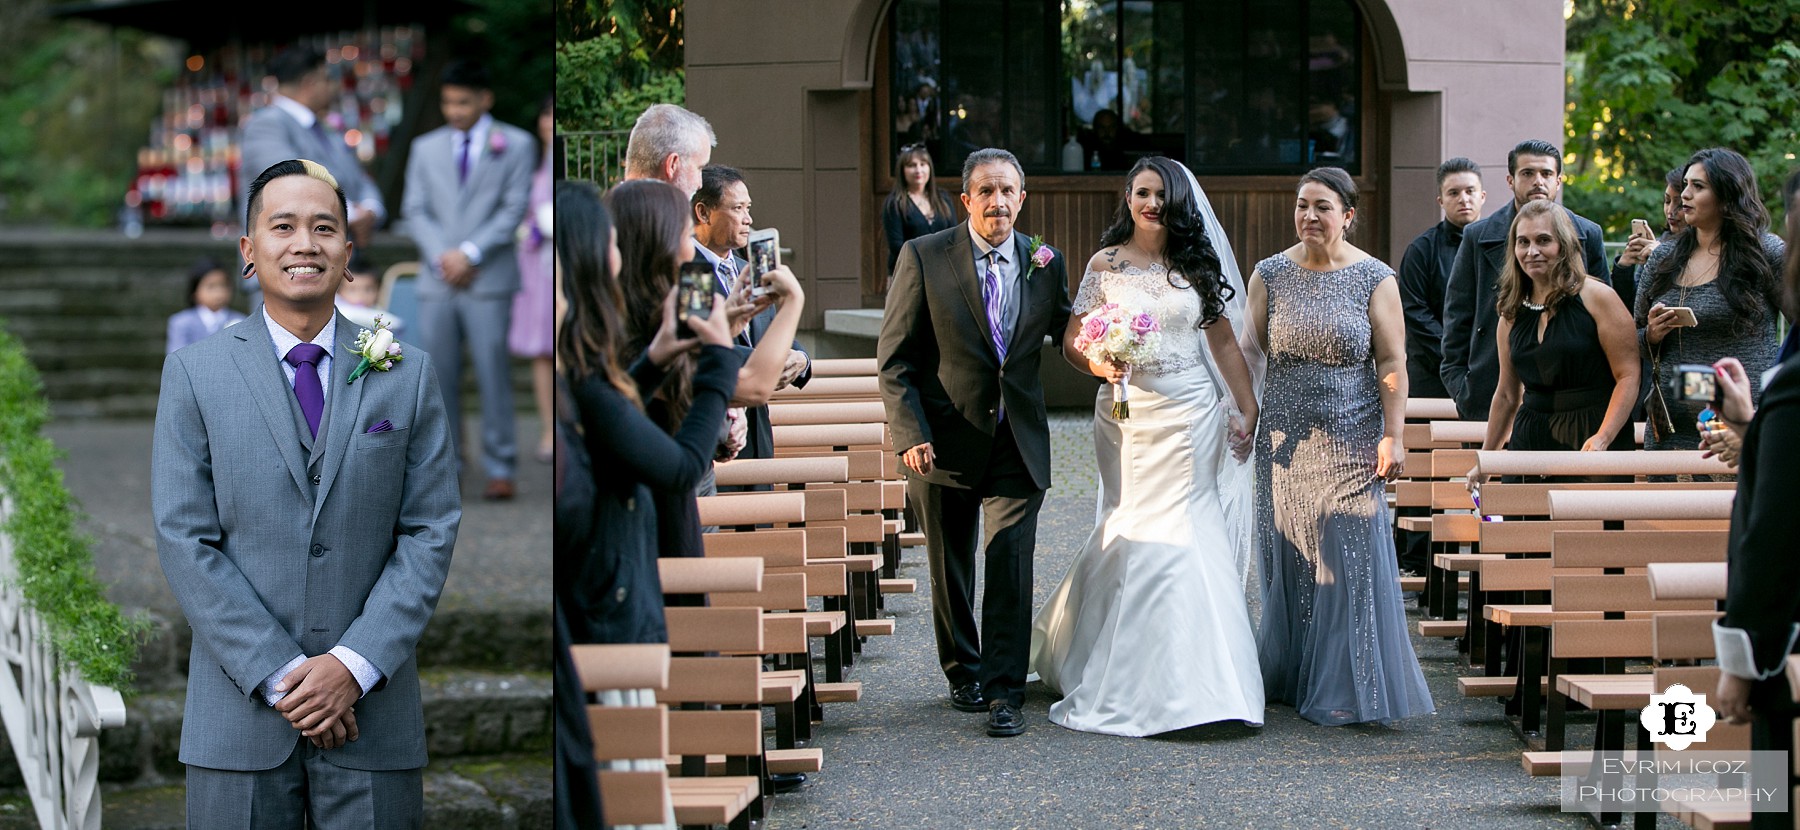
[532, 323]
[1333, 642]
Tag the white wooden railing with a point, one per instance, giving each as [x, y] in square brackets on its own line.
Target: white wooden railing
[53, 717]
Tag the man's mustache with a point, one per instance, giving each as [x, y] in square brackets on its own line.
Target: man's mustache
[997, 212]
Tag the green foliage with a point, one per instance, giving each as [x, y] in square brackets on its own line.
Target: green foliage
[76, 101]
[508, 36]
[1652, 81]
[614, 58]
[55, 567]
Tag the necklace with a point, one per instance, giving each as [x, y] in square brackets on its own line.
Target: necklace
[1531, 305]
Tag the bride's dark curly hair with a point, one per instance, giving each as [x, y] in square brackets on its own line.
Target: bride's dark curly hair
[1188, 251]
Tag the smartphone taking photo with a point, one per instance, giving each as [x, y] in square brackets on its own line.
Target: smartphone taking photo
[1695, 382]
[765, 256]
[693, 296]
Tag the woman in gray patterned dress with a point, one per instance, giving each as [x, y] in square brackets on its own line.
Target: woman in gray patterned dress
[1723, 267]
[1333, 641]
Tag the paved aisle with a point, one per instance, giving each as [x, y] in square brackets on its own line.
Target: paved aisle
[902, 758]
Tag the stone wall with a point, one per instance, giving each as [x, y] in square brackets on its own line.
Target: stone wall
[92, 309]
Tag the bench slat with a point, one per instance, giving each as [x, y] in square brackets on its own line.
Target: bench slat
[634, 796]
[748, 471]
[625, 733]
[621, 666]
[704, 575]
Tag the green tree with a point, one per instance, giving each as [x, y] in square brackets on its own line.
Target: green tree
[614, 58]
[76, 102]
[1651, 81]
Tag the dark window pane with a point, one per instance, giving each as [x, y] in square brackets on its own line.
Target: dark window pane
[1030, 102]
[1333, 81]
[1153, 77]
[974, 81]
[918, 113]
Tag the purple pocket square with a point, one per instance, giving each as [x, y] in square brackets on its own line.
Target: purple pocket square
[384, 426]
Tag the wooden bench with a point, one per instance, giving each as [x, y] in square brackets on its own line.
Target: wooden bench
[630, 735]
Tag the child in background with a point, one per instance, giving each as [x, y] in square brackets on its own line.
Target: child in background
[209, 291]
[359, 296]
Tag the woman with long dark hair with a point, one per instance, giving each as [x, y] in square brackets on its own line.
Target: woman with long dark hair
[916, 207]
[609, 554]
[1156, 597]
[1723, 268]
[1334, 641]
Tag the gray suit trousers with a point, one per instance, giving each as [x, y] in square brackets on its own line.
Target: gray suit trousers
[446, 323]
[305, 791]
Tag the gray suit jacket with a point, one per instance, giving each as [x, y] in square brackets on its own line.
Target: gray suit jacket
[276, 543]
[441, 215]
[271, 135]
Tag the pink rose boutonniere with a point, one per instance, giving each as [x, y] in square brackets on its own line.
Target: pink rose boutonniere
[496, 142]
[1040, 255]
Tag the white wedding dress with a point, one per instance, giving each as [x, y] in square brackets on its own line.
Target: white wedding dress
[1149, 631]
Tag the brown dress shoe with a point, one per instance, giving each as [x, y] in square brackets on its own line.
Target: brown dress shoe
[498, 489]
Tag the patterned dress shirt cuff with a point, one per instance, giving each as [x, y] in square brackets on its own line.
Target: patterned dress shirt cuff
[1738, 659]
[472, 251]
[366, 673]
[270, 696]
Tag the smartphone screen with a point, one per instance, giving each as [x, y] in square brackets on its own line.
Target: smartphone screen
[693, 296]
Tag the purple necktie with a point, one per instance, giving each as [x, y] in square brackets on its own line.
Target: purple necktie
[990, 294]
[318, 131]
[305, 359]
[462, 161]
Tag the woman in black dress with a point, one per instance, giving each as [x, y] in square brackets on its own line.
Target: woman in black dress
[1568, 354]
[916, 207]
[645, 477]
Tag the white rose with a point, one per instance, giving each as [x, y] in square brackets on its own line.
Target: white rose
[383, 339]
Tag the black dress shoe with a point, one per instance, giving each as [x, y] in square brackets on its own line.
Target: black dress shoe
[786, 782]
[1005, 720]
[968, 698]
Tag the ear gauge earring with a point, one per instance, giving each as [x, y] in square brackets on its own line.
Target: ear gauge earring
[348, 277]
[248, 267]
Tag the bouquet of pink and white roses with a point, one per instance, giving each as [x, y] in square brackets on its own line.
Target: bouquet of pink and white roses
[1121, 335]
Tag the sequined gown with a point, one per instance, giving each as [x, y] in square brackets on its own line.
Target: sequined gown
[1333, 640]
[1149, 631]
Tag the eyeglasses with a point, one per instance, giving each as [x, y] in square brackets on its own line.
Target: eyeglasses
[911, 147]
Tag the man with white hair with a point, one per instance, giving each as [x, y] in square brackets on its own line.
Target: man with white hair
[670, 144]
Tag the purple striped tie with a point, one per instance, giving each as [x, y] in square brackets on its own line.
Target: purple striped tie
[990, 295]
[462, 161]
[305, 359]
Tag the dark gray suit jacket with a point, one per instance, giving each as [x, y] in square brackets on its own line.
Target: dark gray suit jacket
[1471, 367]
[940, 378]
[276, 543]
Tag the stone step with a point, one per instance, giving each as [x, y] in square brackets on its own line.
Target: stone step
[489, 639]
[508, 792]
[467, 713]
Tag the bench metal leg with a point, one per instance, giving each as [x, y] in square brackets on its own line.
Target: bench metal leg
[1532, 653]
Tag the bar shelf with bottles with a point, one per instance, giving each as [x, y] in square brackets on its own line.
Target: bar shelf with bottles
[188, 173]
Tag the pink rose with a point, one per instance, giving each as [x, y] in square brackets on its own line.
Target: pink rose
[496, 142]
[1144, 324]
[1042, 256]
[1094, 327]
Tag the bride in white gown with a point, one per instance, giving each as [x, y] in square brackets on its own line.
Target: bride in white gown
[1149, 631]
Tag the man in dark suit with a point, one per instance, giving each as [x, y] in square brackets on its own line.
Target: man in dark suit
[1471, 367]
[960, 346]
[722, 225]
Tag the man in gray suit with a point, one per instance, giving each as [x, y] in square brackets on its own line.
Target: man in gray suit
[293, 126]
[468, 184]
[305, 524]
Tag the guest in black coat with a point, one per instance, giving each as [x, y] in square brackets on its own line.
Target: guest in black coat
[916, 207]
[1762, 609]
[1425, 271]
[639, 468]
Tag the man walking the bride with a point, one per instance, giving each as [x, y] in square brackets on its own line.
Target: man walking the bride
[960, 345]
[1149, 631]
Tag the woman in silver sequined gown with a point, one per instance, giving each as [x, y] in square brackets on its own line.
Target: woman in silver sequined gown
[1333, 641]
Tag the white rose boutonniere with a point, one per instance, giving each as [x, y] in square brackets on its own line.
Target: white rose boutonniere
[377, 349]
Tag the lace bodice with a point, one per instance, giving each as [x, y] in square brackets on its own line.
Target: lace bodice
[1172, 302]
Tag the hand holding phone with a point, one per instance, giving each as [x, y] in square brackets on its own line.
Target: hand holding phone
[765, 256]
[1684, 316]
[1641, 228]
[694, 295]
